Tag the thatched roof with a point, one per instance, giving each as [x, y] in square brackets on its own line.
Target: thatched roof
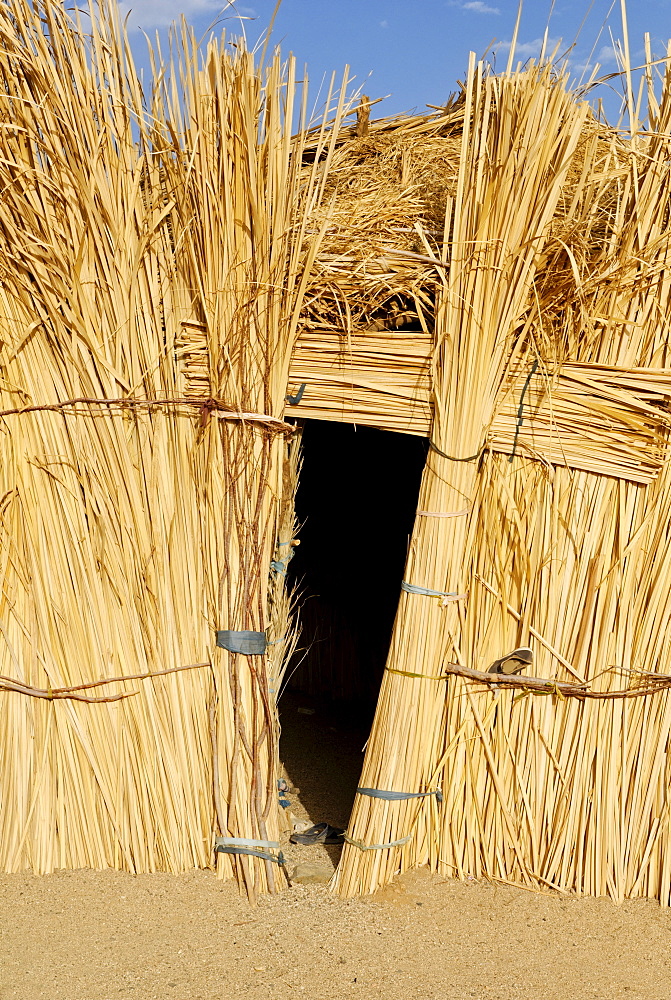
[366, 343]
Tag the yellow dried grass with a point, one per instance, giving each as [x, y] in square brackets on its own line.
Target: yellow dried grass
[145, 255]
[177, 254]
[538, 790]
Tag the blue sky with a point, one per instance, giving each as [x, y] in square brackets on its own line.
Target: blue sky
[412, 52]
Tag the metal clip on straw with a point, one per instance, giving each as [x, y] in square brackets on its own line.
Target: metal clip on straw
[381, 793]
[247, 643]
[295, 400]
[411, 588]
[241, 845]
[377, 847]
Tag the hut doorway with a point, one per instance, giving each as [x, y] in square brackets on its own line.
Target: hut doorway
[356, 505]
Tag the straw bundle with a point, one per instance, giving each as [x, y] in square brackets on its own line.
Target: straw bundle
[576, 795]
[169, 269]
[153, 268]
[566, 792]
[377, 378]
[603, 419]
[388, 193]
[509, 183]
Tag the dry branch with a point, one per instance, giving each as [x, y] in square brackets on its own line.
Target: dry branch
[543, 685]
[206, 406]
[11, 684]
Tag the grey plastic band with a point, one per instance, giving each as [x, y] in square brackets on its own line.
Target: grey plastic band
[251, 852]
[411, 588]
[377, 847]
[248, 643]
[244, 845]
[381, 793]
[245, 842]
[456, 458]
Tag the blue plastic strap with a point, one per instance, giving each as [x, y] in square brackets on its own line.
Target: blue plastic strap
[280, 565]
[410, 588]
[380, 793]
[295, 400]
[248, 643]
[520, 408]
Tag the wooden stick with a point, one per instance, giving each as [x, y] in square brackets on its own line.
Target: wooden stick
[545, 686]
[11, 684]
[205, 405]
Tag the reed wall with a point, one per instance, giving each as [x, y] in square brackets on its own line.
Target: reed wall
[563, 787]
[155, 250]
[173, 264]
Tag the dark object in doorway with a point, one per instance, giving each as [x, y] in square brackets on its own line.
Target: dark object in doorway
[320, 833]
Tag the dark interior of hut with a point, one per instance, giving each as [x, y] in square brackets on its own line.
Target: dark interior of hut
[356, 506]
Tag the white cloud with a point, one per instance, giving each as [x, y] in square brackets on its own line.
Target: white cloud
[159, 13]
[478, 7]
[529, 50]
[606, 58]
[606, 54]
[384, 24]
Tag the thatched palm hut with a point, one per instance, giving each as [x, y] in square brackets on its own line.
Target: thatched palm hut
[181, 278]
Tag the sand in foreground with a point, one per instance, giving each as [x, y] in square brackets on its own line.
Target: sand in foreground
[101, 935]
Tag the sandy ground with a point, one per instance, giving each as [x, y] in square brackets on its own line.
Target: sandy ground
[100, 935]
[110, 936]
